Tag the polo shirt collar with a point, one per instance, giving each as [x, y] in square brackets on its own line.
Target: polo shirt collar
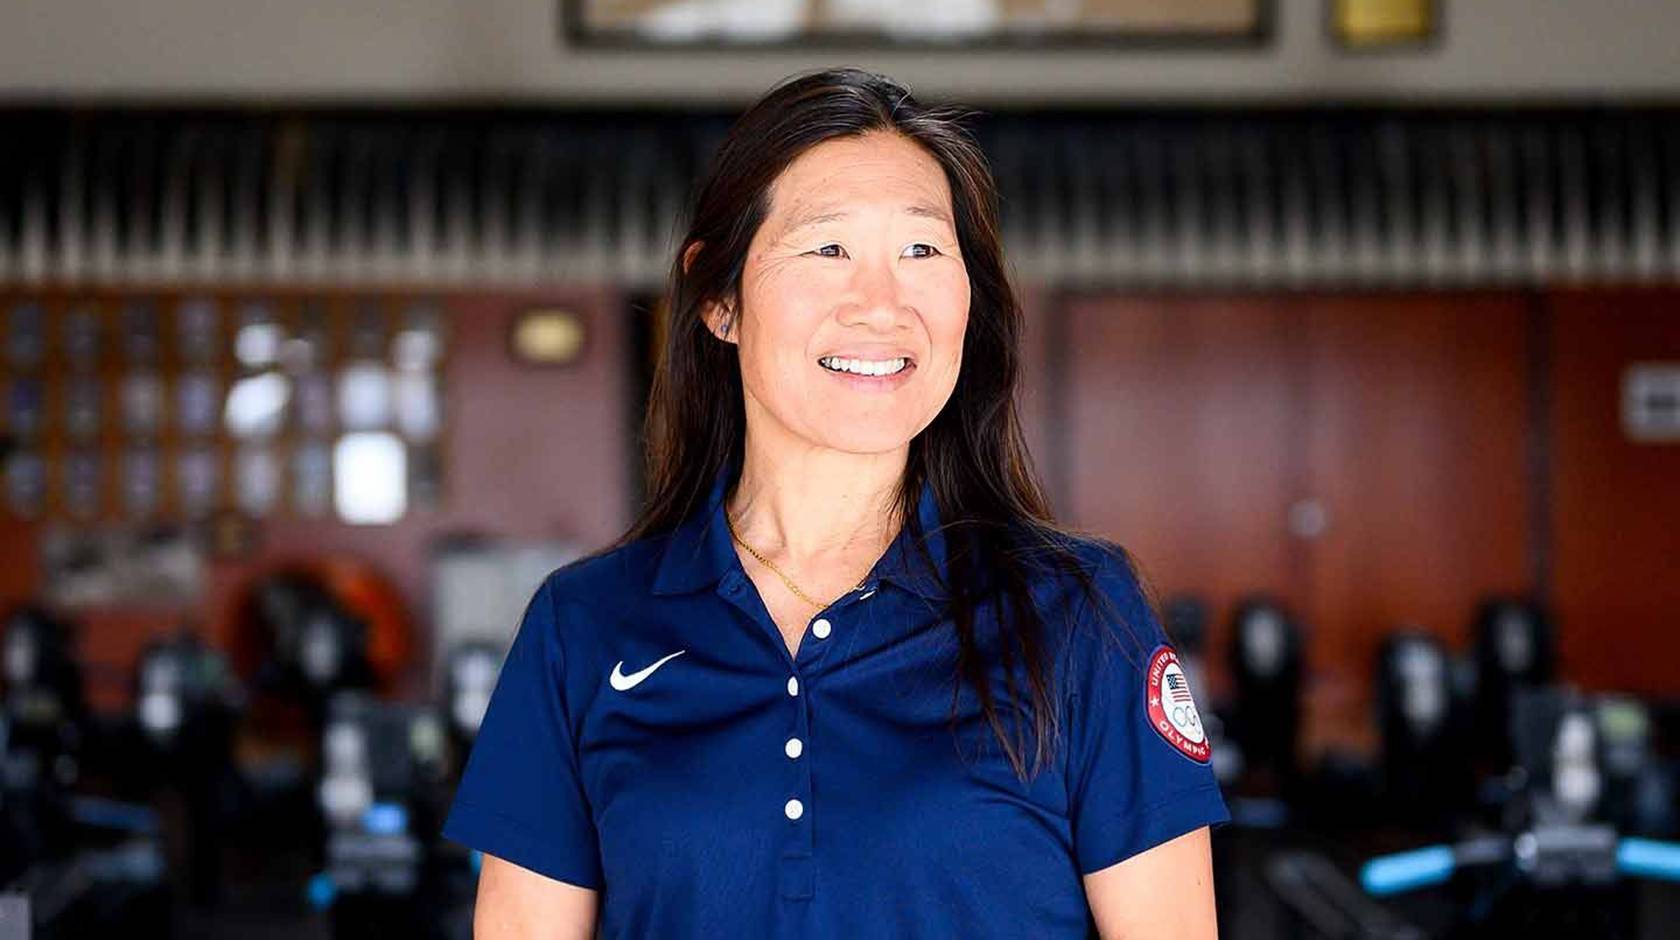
[700, 551]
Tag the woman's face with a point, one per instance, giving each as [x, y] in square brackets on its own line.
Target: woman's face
[857, 259]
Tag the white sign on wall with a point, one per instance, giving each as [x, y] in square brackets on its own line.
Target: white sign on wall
[1651, 402]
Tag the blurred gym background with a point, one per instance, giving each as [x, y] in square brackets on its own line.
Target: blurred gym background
[327, 327]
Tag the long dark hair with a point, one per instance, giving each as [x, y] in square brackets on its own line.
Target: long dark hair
[995, 519]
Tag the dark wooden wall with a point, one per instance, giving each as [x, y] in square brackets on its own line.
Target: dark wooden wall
[1615, 504]
[1451, 445]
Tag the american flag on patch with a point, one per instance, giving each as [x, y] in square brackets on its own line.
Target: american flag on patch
[1178, 691]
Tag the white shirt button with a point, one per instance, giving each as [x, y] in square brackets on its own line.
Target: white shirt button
[794, 809]
[793, 685]
[820, 628]
[795, 747]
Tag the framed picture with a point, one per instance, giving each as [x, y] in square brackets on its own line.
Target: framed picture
[884, 24]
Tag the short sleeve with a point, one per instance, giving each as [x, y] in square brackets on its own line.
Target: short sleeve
[1139, 764]
[521, 796]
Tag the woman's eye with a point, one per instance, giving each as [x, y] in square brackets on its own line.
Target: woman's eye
[841, 252]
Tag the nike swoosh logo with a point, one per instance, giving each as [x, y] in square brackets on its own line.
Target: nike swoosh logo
[624, 683]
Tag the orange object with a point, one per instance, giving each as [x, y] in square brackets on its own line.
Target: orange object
[357, 585]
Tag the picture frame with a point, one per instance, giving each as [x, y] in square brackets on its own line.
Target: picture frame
[609, 25]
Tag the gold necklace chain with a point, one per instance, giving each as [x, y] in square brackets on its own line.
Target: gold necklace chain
[779, 573]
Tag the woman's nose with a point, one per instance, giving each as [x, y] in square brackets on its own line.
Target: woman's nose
[879, 292]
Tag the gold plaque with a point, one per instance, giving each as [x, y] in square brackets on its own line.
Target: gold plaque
[548, 337]
[1369, 24]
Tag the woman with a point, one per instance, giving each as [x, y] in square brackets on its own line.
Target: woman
[799, 696]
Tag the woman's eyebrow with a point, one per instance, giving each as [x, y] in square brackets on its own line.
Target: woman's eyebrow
[931, 212]
[816, 218]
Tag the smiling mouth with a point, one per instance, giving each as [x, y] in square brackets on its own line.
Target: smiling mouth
[867, 368]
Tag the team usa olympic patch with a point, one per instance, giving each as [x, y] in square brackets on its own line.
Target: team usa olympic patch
[1172, 712]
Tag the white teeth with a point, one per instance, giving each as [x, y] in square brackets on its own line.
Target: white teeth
[864, 366]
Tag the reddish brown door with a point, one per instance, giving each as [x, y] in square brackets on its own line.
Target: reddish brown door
[1184, 440]
[1418, 439]
[1362, 457]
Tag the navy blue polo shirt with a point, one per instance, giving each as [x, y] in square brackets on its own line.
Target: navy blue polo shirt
[651, 737]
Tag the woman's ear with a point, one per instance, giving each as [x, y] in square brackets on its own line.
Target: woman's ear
[719, 319]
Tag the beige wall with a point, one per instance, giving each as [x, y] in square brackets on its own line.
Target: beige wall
[217, 50]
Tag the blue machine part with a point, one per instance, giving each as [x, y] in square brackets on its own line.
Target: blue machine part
[1649, 858]
[385, 819]
[1403, 871]
[322, 891]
